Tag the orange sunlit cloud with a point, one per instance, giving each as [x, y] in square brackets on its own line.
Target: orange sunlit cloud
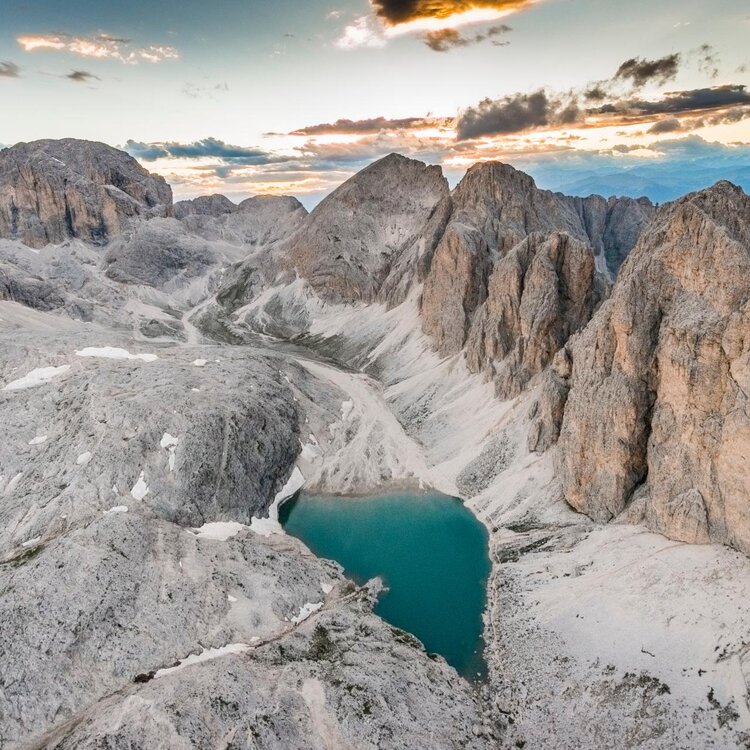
[98, 47]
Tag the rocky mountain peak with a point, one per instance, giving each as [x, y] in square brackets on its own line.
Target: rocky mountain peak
[51, 190]
[353, 237]
[279, 203]
[666, 364]
[493, 180]
[725, 204]
[208, 205]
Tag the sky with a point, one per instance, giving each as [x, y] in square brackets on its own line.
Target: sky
[245, 97]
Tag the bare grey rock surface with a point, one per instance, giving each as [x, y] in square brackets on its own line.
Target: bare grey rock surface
[542, 292]
[255, 223]
[53, 190]
[204, 205]
[157, 253]
[347, 245]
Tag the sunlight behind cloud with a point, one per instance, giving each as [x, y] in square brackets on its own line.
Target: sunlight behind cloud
[466, 18]
[373, 31]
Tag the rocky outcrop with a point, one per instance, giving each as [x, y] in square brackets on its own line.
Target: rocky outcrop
[158, 252]
[412, 265]
[656, 427]
[514, 274]
[17, 286]
[255, 223]
[544, 290]
[205, 205]
[455, 287]
[613, 227]
[53, 190]
[349, 243]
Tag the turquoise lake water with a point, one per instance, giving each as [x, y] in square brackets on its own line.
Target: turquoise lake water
[430, 551]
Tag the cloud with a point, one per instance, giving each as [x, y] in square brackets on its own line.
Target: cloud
[395, 12]
[9, 69]
[99, 47]
[447, 39]
[515, 114]
[195, 91]
[392, 18]
[207, 147]
[520, 113]
[361, 127]
[640, 71]
[596, 93]
[81, 76]
[708, 60]
[362, 32]
[682, 102]
[670, 125]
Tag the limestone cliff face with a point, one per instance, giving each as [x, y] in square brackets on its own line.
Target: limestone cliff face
[656, 425]
[613, 226]
[516, 271]
[350, 241]
[539, 294]
[455, 287]
[54, 190]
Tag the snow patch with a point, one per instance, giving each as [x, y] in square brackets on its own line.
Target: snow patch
[307, 610]
[113, 352]
[269, 526]
[32, 542]
[140, 489]
[116, 509]
[36, 377]
[84, 458]
[346, 409]
[200, 362]
[219, 531]
[169, 443]
[38, 440]
[208, 654]
[13, 483]
[326, 587]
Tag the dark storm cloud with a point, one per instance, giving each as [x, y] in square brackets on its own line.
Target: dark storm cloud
[81, 76]
[9, 69]
[207, 147]
[447, 39]
[394, 12]
[640, 71]
[515, 114]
